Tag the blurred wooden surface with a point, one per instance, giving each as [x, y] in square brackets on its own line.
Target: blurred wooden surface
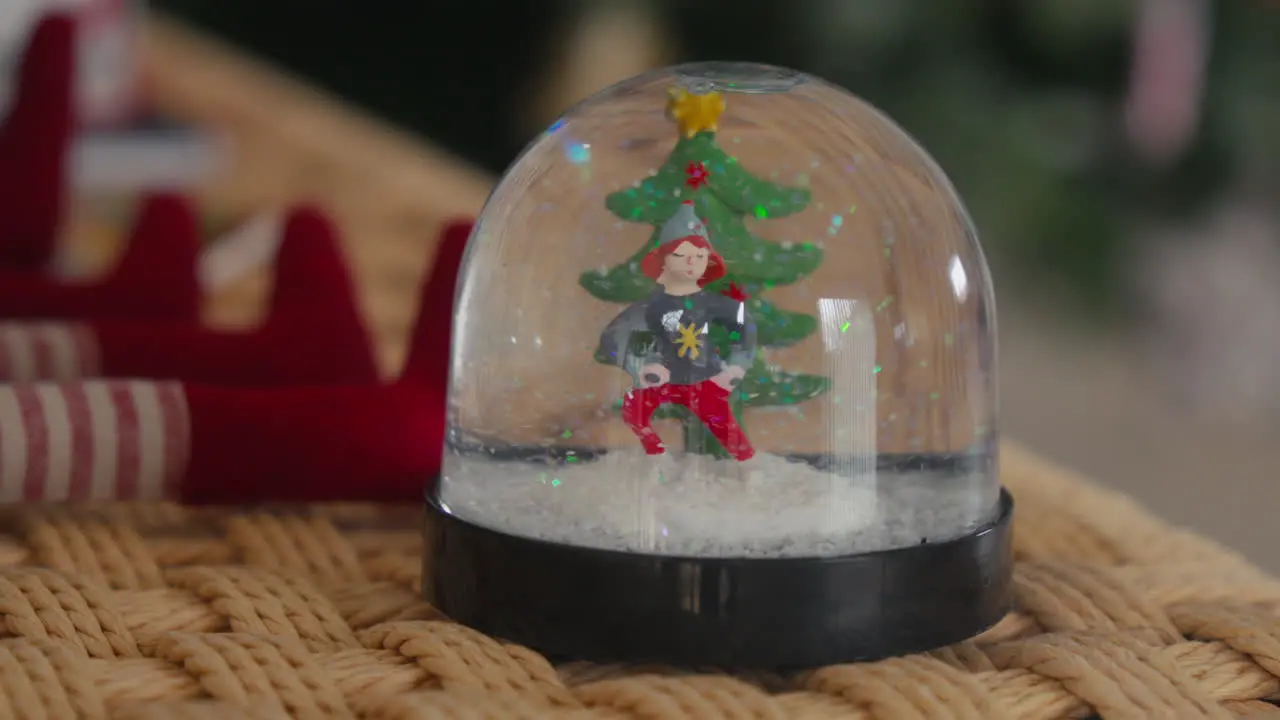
[608, 43]
[388, 192]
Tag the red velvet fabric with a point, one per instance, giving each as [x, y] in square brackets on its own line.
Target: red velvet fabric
[33, 146]
[342, 443]
[313, 333]
[155, 278]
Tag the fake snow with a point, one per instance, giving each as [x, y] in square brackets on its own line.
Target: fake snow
[695, 506]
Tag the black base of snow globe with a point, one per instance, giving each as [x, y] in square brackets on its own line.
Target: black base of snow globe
[580, 603]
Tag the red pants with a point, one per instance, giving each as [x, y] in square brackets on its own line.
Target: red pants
[706, 400]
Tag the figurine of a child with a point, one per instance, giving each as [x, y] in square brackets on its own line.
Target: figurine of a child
[685, 368]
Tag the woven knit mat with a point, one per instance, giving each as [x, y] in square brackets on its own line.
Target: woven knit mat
[155, 611]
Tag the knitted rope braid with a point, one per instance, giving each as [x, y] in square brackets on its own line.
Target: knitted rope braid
[154, 611]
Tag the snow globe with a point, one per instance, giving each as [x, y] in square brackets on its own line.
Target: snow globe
[722, 387]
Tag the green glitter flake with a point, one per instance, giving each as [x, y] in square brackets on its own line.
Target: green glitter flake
[556, 483]
[877, 370]
[761, 212]
[845, 327]
[566, 434]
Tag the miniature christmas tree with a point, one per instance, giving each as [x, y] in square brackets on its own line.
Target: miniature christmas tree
[724, 193]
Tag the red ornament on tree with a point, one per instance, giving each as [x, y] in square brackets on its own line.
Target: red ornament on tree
[736, 292]
[698, 175]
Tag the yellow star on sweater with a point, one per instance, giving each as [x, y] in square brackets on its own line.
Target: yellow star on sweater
[689, 341]
[695, 113]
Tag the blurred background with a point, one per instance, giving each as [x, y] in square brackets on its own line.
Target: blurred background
[1119, 158]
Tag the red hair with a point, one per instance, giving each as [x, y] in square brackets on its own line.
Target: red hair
[652, 264]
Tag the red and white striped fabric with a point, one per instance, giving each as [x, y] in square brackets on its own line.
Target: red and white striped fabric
[93, 440]
[47, 351]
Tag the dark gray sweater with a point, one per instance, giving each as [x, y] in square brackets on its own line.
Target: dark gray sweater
[679, 325]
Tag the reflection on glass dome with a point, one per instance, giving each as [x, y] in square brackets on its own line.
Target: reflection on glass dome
[724, 311]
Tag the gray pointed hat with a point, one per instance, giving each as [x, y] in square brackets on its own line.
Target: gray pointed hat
[682, 224]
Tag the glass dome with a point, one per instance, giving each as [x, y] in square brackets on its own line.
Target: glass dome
[718, 311]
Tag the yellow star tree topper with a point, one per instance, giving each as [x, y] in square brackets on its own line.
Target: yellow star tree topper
[694, 113]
